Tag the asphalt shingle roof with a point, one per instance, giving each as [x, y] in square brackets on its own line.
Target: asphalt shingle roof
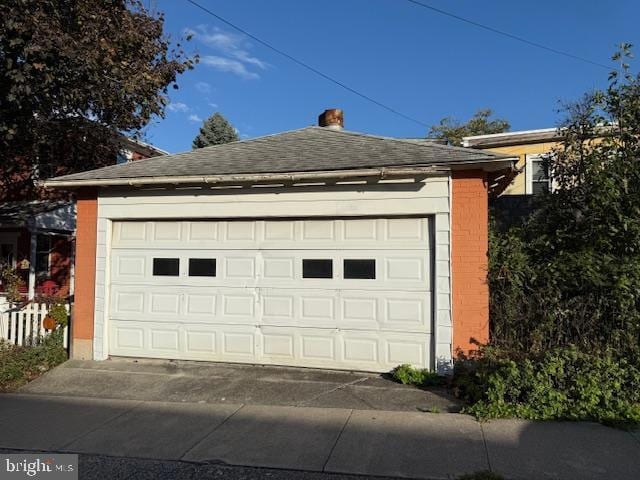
[305, 150]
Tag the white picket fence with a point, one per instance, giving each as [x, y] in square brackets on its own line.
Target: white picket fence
[23, 326]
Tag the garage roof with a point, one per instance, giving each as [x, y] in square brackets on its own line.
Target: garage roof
[310, 149]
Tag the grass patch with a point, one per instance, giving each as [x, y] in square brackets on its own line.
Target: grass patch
[21, 364]
[420, 377]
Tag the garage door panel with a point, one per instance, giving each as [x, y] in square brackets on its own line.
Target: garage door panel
[359, 309]
[166, 232]
[401, 349]
[131, 267]
[396, 233]
[239, 291]
[198, 232]
[406, 311]
[278, 346]
[199, 341]
[361, 350]
[133, 232]
[164, 340]
[128, 337]
[203, 304]
[239, 267]
[164, 303]
[279, 231]
[127, 302]
[234, 231]
[238, 305]
[238, 343]
[183, 340]
[280, 268]
[322, 348]
[278, 307]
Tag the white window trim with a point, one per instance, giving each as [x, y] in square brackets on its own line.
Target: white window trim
[528, 172]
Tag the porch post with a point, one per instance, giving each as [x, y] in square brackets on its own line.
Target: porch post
[32, 265]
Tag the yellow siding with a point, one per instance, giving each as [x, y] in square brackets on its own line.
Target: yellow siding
[518, 185]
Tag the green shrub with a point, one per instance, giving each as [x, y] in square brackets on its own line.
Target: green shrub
[563, 383]
[409, 375]
[20, 364]
[570, 272]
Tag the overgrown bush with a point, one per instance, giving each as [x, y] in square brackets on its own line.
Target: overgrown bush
[570, 275]
[20, 364]
[563, 383]
[420, 377]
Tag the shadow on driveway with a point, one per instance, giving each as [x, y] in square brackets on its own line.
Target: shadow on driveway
[326, 440]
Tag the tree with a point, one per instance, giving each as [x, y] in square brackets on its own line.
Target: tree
[215, 130]
[480, 124]
[74, 76]
[571, 274]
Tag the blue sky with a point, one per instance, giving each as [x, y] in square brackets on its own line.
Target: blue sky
[423, 64]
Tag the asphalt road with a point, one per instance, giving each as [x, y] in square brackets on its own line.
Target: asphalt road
[100, 467]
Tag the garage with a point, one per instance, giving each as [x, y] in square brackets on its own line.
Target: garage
[333, 293]
[315, 247]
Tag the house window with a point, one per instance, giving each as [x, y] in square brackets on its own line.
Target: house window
[202, 267]
[166, 267]
[312, 268]
[43, 257]
[8, 254]
[360, 269]
[537, 174]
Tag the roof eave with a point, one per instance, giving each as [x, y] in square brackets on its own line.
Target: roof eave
[238, 179]
[380, 173]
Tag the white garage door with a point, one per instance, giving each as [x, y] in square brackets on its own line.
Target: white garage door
[335, 293]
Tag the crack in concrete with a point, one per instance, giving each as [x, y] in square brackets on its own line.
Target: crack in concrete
[339, 387]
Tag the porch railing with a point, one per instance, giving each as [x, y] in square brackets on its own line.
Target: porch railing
[23, 325]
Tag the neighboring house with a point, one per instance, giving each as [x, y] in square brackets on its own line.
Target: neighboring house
[36, 239]
[531, 147]
[37, 236]
[316, 247]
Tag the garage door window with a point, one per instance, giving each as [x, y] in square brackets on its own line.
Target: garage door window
[360, 269]
[202, 267]
[314, 268]
[166, 267]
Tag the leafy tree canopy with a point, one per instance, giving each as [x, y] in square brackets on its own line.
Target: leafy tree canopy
[480, 124]
[215, 130]
[74, 76]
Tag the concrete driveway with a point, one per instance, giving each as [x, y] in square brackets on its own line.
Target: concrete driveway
[197, 382]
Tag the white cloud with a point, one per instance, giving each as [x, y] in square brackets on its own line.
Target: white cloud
[213, 105]
[228, 65]
[233, 50]
[203, 87]
[194, 118]
[178, 107]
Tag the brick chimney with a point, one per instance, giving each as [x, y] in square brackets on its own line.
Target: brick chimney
[331, 118]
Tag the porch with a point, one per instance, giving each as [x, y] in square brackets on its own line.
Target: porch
[37, 242]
